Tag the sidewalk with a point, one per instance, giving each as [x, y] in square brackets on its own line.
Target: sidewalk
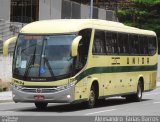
[158, 84]
[7, 96]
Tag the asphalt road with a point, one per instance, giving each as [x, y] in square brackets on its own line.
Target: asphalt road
[150, 105]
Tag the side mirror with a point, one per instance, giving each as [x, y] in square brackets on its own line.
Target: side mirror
[6, 45]
[74, 47]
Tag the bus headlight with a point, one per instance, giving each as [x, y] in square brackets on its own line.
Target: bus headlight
[72, 83]
[17, 86]
[61, 87]
[66, 86]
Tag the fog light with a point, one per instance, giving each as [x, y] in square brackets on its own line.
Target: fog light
[68, 96]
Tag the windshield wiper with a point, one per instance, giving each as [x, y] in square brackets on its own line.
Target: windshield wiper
[31, 61]
[49, 67]
[27, 48]
[45, 59]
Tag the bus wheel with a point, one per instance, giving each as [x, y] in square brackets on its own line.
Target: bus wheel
[92, 98]
[41, 105]
[138, 95]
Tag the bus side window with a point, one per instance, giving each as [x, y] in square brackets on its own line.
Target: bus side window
[133, 44]
[152, 45]
[83, 48]
[123, 43]
[109, 47]
[114, 43]
[99, 43]
[143, 41]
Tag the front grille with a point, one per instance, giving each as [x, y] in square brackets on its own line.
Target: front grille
[29, 90]
[48, 90]
[39, 90]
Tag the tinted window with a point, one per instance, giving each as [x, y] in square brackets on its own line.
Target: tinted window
[114, 43]
[143, 44]
[83, 49]
[133, 44]
[152, 45]
[123, 46]
[99, 43]
[109, 45]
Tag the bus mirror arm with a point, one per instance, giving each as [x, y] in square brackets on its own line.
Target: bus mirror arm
[7, 43]
[74, 47]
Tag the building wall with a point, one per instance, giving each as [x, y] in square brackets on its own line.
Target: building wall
[102, 14]
[5, 9]
[50, 9]
[110, 15]
[158, 75]
[84, 11]
[6, 68]
[57, 9]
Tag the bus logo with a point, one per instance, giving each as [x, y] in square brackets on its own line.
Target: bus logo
[115, 60]
[39, 90]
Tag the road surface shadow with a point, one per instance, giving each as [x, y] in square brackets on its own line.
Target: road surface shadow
[81, 106]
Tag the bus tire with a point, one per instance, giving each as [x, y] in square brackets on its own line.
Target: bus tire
[41, 105]
[138, 95]
[92, 98]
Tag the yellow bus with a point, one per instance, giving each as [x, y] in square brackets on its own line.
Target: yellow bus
[81, 60]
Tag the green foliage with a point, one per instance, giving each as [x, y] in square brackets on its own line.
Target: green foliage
[147, 1]
[144, 14]
[1, 89]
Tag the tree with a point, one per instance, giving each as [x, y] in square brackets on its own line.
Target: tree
[143, 14]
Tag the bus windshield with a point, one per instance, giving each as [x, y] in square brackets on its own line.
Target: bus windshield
[43, 57]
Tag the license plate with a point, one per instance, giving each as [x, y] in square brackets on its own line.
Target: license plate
[39, 97]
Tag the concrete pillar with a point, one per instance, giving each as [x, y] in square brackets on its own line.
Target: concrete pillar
[50, 9]
[5, 9]
[85, 11]
[102, 14]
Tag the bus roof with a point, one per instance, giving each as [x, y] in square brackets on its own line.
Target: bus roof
[74, 25]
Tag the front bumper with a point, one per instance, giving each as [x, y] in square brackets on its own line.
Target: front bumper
[52, 96]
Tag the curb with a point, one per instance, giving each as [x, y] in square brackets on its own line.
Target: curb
[5, 101]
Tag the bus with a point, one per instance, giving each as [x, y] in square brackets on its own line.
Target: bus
[81, 60]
